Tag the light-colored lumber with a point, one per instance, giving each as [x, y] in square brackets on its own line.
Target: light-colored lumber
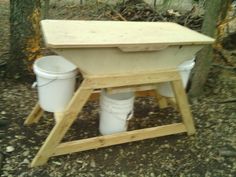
[35, 115]
[162, 101]
[146, 93]
[109, 81]
[58, 116]
[94, 97]
[138, 48]
[172, 102]
[119, 138]
[130, 89]
[182, 103]
[78, 34]
[65, 120]
[112, 47]
[111, 61]
[116, 56]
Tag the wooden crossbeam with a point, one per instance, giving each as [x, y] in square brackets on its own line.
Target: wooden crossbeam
[131, 89]
[118, 138]
[111, 81]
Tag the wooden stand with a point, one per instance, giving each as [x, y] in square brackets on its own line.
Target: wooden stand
[119, 83]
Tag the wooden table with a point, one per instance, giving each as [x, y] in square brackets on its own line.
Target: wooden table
[118, 57]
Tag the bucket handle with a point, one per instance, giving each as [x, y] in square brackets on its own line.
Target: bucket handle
[129, 116]
[35, 84]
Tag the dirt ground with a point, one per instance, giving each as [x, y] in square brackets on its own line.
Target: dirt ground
[211, 152]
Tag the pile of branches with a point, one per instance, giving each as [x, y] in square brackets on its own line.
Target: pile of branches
[137, 10]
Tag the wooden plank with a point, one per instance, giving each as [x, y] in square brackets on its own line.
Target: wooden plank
[137, 48]
[65, 120]
[131, 88]
[78, 34]
[94, 97]
[162, 101]
[182, 103]
[119, 138]
[109, 81]
[172, 102]
[147, 93]
[35, 115]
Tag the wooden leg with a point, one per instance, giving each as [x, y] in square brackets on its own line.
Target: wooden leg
[172, 102]
[182, 102]
[161, 100]
[65, 120]
[35, 115]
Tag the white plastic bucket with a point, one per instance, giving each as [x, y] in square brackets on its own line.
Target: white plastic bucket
[55, 82]
[115, 112]
[185, 68]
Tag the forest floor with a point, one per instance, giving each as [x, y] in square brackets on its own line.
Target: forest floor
[211, 152]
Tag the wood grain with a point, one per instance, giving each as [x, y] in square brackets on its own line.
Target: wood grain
[118, 138]
[79, 34]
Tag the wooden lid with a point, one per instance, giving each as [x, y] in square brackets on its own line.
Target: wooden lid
[87, 34]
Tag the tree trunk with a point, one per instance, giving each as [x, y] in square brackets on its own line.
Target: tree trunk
[215, 12]
[24, 35]
[45, 12]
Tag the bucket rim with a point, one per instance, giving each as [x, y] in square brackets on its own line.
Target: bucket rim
[52, 74]
[48, 75]
[57, 58]
[106, 96]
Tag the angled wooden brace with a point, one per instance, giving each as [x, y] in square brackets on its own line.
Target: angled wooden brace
[66, 119]
[35, 115]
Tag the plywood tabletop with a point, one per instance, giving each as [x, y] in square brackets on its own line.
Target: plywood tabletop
[80, 34]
